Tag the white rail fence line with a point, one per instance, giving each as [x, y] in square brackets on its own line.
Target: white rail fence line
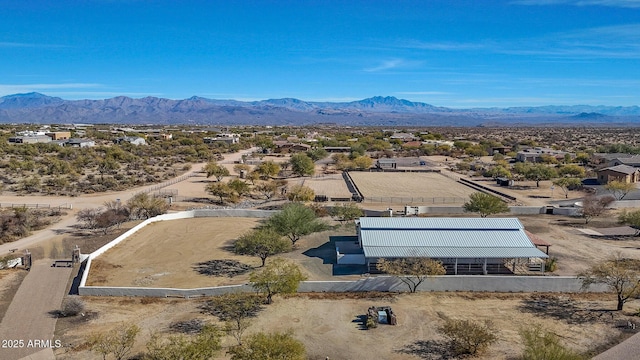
[35, 206]
[167, 217]
[377, 283]
[473, 283]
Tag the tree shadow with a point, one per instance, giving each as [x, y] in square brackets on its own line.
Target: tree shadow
[223, 267]
[429, 350]
[563, 308]
[361, 320]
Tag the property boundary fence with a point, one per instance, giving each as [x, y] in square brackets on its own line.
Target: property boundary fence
[166, 217]
[169, 182]
[480, 283]
[413, 200]
[36, 206]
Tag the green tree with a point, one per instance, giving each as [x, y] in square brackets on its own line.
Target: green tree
[541, 344]
[268, 169]
[411, 271]
[218, 171]
[620, 275]
[267, 188]
[572, 170]
[302, 165]
[240, 187]
[468, 337]
[362, 162]
[262, 243]
[261, 346]
[294, 221]
[485, 204]
[219, 189]
[540, 172]
[620, 189]
[277, 277]
[236, 310]
[630, 218]
[346, 212]
[143, 206]
[203, 346]
[117, 342]
[301, 193]
[317, 154]
[567, 184]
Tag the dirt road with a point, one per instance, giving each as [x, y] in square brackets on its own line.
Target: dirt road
[84, 202]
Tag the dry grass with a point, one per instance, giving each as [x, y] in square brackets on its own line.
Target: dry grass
[319, 320]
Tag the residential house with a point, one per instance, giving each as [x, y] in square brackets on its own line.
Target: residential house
[623, 173]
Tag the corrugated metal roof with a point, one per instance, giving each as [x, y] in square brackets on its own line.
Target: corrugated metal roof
[446, 238]
[439, 223]
[450, 238]
[452, 252]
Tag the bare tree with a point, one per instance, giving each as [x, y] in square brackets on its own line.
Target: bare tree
[412, 271]
[593, 206]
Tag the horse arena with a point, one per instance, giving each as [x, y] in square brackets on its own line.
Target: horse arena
[165, 253]
[410, 187]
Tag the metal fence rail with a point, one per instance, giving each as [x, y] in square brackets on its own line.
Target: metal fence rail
[35, 206]
[413, 200]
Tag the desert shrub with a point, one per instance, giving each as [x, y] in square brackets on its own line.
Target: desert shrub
[371, 323]
[540, 344]
[71, 306]
[467, 337]
[551, 264]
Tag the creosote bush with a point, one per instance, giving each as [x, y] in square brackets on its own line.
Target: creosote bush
[71, 306]
[467, 337]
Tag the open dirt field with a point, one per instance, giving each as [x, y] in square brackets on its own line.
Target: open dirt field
[409, 185]
[331, 327]
[164, 254]
[332, 186]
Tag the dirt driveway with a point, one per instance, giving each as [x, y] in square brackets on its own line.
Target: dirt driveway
[27, 320]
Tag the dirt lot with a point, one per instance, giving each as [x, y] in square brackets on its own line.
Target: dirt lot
[409, 185]
[164, 254]
[332, 186]
[331, 327]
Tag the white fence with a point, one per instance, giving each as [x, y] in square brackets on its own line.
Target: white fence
[487, 283]
[167, 217]
[479, 283]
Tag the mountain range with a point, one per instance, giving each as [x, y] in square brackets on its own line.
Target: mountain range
[374, 111]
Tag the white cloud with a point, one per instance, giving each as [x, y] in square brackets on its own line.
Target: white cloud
[386, 65]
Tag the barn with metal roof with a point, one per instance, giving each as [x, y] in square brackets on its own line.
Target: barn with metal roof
[464, 245]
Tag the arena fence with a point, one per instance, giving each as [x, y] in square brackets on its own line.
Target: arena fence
[481, 283]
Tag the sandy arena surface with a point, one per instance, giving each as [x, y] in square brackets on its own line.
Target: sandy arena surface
[409, 185]
[332, 328]
[332, 186]
[163, 254]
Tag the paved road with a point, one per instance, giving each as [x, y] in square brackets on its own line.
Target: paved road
[27, 319]
[627, 350]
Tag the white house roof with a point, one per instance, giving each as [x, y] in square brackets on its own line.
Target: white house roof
[446, 238]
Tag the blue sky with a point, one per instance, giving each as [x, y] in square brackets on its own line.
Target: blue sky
[451, 53]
